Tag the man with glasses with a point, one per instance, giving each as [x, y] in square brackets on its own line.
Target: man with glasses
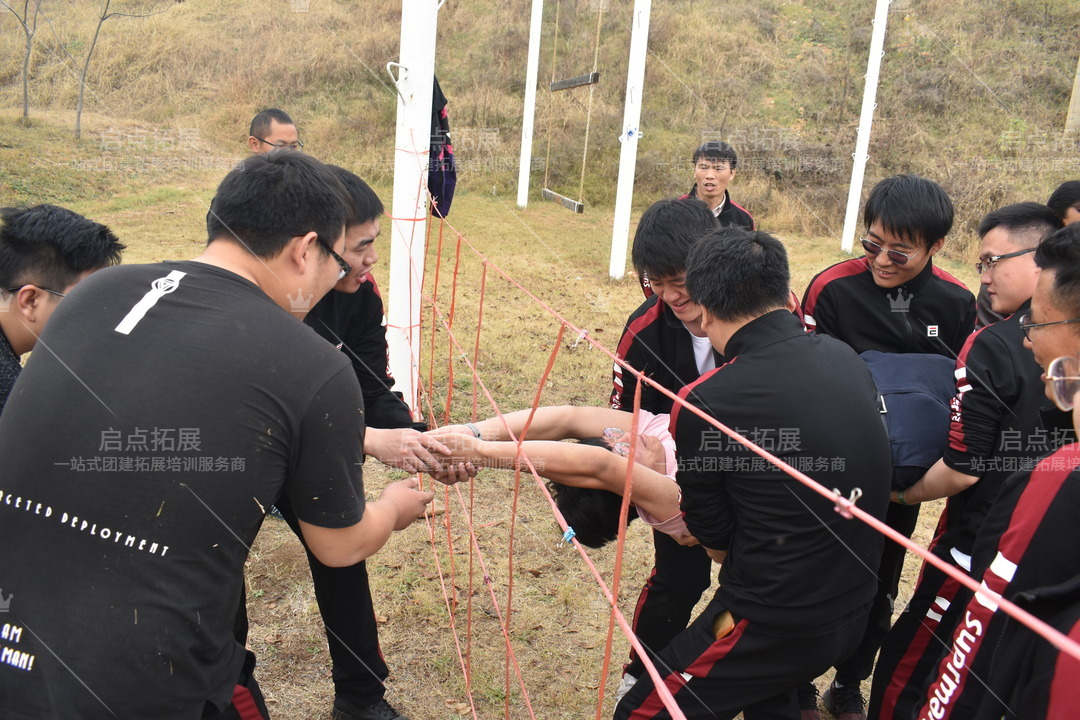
[44, 252]
[893, 300]
[986, 664]
[1001, 422]
[351, 318]
[273, 129]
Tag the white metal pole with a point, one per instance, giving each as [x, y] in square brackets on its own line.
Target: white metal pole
[635, 84]
[415, 77]
[528, 115]
[866, 121]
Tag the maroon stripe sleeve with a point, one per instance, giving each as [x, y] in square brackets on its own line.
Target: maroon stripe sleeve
[844, 269]
[618, 383]
[1064, 689]
[943, 275]
[957, 436]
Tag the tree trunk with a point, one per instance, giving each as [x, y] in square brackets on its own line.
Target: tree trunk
[86, 67]
[1072, 122]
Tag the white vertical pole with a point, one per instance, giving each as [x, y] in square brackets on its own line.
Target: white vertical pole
[635, 84]
[528, 115]
[416, 72]
[866, 121]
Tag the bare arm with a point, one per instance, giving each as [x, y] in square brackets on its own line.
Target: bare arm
[553, 422]
[938, 482]
[405, 448]
[398, 505]
[576, 465]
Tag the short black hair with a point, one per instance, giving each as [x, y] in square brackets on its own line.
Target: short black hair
[1061, 253]
[260, 124]
[592, 513]
[911, 207]
[271, 198]
[52, 246]
[736, 274]
[1066, 196]
[364, 204]
[717, 150]
[1027, 222]
[665, 234]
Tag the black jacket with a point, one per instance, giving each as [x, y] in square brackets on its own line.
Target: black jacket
[793, 562]
[659, 345]
[932, 313]
[730, 214]
[354, 323]
[1002, 422]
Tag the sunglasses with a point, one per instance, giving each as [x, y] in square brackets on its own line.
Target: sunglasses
[897, 257]
[1063, 375]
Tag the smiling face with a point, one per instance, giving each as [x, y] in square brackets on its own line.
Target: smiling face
[712, 177]
[360, 253]
[1050, 341]
[888, 273]
[672, 290]
[1011, 280]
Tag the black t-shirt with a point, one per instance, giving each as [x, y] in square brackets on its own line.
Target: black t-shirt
[166, 407]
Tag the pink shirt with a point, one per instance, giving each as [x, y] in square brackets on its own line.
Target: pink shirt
[657, 427]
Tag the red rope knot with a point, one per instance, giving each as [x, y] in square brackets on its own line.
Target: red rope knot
[844, 504]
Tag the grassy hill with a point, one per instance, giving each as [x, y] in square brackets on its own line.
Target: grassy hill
[782, 81]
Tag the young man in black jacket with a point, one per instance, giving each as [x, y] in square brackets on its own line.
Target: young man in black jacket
[664, 340]
[796, 584]
[1002, 422]
[894, 300]
[715, 164]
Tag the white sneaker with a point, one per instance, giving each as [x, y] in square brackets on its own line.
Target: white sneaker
[625, 684]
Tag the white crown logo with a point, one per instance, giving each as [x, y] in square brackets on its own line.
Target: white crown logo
[300, 302]
[902, 302]
[5, 602]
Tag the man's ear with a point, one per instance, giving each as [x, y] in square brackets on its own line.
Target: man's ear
[253, 143]
[933, 249]
[792, 302]
[28, 301]
[301, 250]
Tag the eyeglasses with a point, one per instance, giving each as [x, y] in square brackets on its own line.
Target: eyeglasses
[1026, 325]
[1064, 378]
[872, 248]
[989, 263]
[346, 268]
[281, 146]
[39, 287]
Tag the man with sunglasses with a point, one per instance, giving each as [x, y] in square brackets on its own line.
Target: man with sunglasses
[1001, 422]
[893, 300]
[44, 252]
[984, 664]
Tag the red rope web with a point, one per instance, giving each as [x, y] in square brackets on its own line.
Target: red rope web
[442, 321]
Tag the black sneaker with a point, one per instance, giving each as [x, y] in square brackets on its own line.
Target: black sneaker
[808, 702]
[845, 702]
[382, 710]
